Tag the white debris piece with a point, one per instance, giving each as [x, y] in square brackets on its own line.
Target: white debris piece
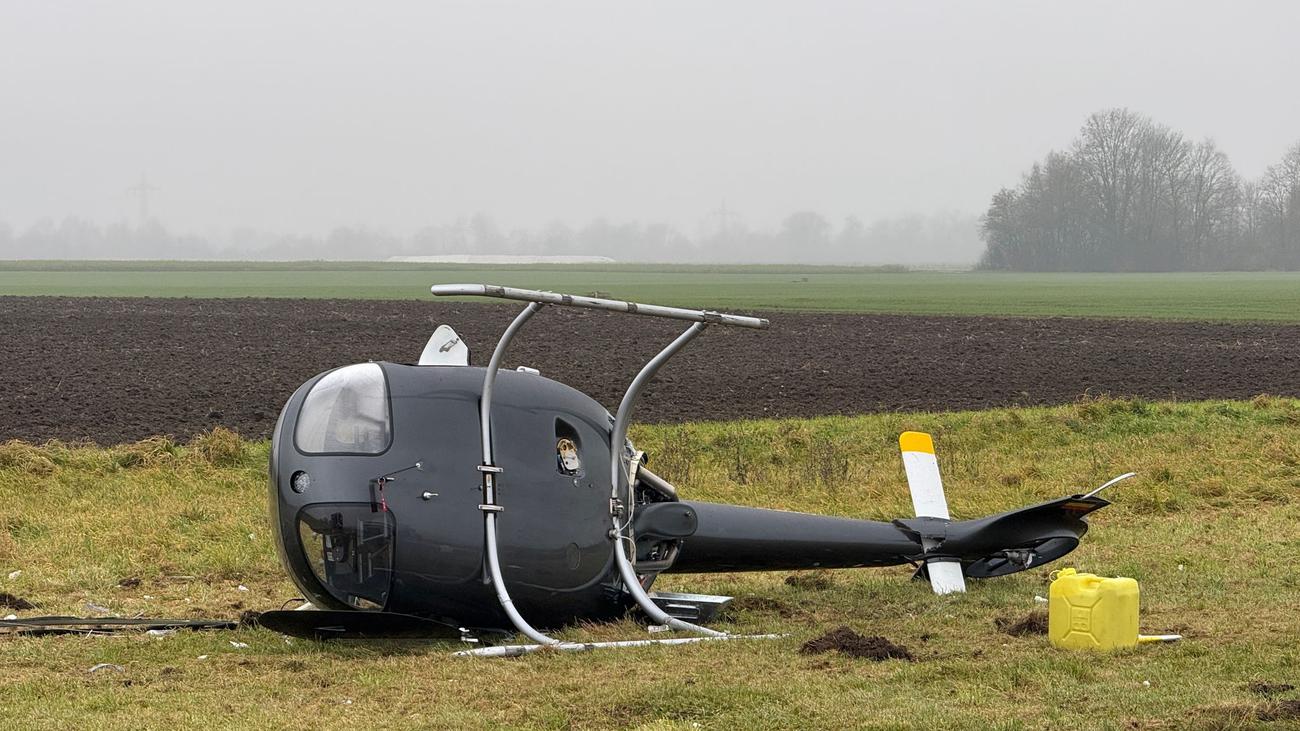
[238, 645]
[203, 657]
[1040, 599]
[657, 628]
[243, 588]
[10, 617]
[161, 632]
[97, 608]
[107, 666]
[15, 574]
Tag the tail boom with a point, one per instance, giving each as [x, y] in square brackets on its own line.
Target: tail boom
[733, 538]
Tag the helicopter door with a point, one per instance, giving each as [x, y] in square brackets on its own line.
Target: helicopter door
[350, 550]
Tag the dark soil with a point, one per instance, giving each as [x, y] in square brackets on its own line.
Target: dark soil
[9, 601]
[1034, 623]
[847, 642]
[1279, 711]
[813, 580]
[1260, 687]
[115, 370]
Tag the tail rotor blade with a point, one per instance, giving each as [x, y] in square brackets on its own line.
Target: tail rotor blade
[928, 500]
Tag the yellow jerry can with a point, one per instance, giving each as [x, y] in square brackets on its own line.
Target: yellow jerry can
[1090, 612]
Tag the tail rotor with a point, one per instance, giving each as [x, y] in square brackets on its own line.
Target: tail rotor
[928, 501]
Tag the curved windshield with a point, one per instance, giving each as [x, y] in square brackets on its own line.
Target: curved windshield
[346, 412]
[350, 549]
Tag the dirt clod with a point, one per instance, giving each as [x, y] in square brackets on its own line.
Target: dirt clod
[130, 582]
[1034, 623]
[847, 642]
[813, 580]
[1260, 687]
[9, 601]
[1279, 711]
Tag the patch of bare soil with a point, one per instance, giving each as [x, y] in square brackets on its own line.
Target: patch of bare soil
[1260, 687]
[1279, 711]
[847, 642]
[1034, 623]
[9, 601]
[812, 580]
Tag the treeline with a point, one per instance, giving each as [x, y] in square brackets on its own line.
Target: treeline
[1134, 195]
[805, 237]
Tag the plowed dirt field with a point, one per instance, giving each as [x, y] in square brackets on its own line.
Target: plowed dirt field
[114, 370]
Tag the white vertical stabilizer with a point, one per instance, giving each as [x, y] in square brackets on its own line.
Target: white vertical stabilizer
[929, 502]
[445, 348]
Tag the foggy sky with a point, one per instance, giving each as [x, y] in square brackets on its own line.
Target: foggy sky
[301, 116]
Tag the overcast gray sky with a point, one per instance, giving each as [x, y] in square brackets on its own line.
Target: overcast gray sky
[300, 116]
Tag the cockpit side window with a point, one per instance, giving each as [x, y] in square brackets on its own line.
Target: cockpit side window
[350, 549]
[346, 412]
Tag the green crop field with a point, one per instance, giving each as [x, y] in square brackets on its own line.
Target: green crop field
[1208, 528]
[1216, 296]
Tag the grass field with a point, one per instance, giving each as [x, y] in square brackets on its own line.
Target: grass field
[1209, 528]
[1220, 296]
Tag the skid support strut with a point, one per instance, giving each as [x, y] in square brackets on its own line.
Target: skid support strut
[620, 477]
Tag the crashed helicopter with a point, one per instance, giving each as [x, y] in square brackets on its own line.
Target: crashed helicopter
[442, 499]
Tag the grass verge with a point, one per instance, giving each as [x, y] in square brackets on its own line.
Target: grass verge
[1209, 529]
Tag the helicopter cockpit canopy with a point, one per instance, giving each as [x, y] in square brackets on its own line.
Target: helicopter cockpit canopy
[346, 412]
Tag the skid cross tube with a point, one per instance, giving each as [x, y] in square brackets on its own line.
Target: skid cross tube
[595, 303]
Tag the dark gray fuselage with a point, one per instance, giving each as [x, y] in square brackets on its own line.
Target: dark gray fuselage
[416, 546]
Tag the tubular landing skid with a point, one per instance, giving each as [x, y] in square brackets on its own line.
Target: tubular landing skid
[622, 469]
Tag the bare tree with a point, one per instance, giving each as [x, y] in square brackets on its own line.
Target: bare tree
[1133, 195]
[1214, 198]
[1279, 215]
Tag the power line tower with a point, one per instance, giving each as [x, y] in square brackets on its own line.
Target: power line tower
[725, 216]
[143, 189]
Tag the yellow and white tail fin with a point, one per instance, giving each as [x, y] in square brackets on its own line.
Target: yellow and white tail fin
[929, 502]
